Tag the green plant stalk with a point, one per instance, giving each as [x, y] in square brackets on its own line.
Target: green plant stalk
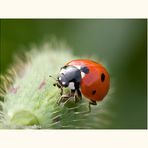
[29, 99]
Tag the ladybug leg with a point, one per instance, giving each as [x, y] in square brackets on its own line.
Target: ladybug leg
[77, 95]
[63, 98]
[61, 93]
[59, 86]
[89, 107]
[66, 97]
[74, 95]
[91, 103]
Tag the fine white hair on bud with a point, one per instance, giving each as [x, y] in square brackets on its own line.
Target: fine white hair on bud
[29, 99]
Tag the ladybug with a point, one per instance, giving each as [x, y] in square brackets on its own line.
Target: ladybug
[86, 77]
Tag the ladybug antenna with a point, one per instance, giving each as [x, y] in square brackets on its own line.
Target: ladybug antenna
[53, 77]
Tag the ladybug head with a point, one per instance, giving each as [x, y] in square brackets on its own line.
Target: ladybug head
[69, 76]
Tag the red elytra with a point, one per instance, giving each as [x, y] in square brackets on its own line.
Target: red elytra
[96, 83]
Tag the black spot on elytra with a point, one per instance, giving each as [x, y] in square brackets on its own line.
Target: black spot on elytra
[93, 92]
[84, 69]
[102, 77]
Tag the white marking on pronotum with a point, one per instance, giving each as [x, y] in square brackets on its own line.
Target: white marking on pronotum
[79, 67]
[62, 71]
[63, 83]
[59, 78]
[71, 85]
[82, 74]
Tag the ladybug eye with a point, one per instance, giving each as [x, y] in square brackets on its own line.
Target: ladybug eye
[93, 92]
[102, 77]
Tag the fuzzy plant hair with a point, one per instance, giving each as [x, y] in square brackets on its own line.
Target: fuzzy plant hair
[29, 99]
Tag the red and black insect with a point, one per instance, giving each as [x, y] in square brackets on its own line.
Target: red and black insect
[86, 77]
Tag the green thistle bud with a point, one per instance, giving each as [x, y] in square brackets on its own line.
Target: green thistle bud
[29, 99]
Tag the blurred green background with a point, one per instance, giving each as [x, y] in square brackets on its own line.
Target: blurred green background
[121, 43]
